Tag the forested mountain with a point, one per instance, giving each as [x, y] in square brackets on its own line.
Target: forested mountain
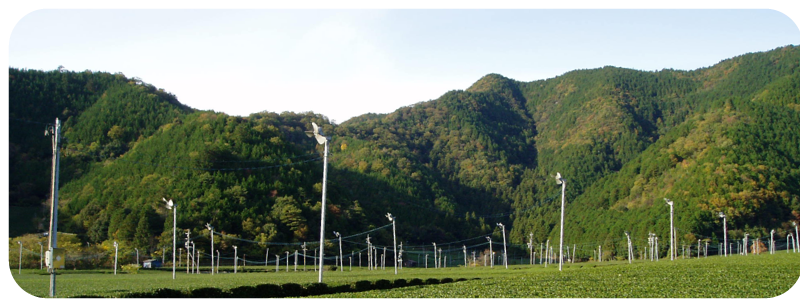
[721, 138]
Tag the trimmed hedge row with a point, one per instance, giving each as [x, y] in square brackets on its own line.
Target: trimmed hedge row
[269, 290]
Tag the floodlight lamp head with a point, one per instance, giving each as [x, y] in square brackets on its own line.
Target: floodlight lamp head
[389, 215]
[794, 223]
[235, 247]
[169, 203]
[488, 238]
[500, 224]
[669, 202]
[317, 134]
[559, 179]
[772, 231]
[336, 233]
[721, 215]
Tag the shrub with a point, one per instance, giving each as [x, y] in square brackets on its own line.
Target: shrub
[167, 293]
[344, 288]
[416, 281]
[400, 282]
[383, 284]
[446, 280]
[128, 295]
[131, 269]
[208, 292]
[291, 289]
[362, 285]
[461, 279]
[431, 281]
[157, 294]
[269, 290]
[245, 292]
[316, 288]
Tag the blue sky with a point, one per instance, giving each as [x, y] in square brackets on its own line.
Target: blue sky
[343, 63]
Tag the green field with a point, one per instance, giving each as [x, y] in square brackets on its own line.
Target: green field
[753, 276]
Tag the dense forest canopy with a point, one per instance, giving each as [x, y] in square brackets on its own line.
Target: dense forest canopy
[717, 139]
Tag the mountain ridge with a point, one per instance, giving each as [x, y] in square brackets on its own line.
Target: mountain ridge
[622, 138]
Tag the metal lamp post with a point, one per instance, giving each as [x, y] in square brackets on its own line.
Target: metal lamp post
[440, 258]
[698, 248]
[116, 251]
[235, 258]
[464, 248]
[194, 258]
[796, 235]
[20, 257]
[746, 242]
[369, 253]
[435, 262]
[321, 139]
[600, 253]
[287, 261]
[491, 252]
[304, 256]
[530, 246]
[341, 258]
[563, 184]
[394, 239]
[724, 232]
[171, 205]
[671, 230]
[211, 230]
[137, 255]
[630, 251]
[399, 258]
[546, 253]
[473, 259]
[505, 252]
[655, 245]
[772, 242]
[277, 264]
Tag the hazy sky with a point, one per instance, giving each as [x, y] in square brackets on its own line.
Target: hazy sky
[343, 63]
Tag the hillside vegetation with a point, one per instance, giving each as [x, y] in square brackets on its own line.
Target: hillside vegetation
[721, 138]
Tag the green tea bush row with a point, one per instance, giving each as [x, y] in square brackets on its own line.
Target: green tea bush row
[269, 290]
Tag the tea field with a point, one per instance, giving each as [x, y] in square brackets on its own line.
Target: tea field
[753, 276]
